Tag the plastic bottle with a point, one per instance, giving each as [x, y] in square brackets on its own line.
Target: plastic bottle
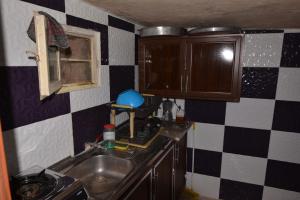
[109, 135]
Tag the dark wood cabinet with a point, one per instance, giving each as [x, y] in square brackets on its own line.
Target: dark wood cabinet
[163, 173]
[161, 69]
[213, 67]
[200, 67]
[142, 189]
[165, 180]
[180, 167]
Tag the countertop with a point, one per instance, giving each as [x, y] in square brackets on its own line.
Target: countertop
[175, 131]
[142, 158]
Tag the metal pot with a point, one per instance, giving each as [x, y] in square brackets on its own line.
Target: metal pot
[214, 30]
[162, 30]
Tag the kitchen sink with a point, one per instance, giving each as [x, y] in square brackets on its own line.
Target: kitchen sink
[101, 173]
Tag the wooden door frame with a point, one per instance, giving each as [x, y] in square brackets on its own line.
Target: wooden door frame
[4, 181]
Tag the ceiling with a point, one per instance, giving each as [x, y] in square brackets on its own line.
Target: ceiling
[189, 13]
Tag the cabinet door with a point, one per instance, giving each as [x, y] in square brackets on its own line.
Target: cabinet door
[142, 189]
[164, 176]
[180, 166]
[48, 62]
[213, 67]
[161, 66]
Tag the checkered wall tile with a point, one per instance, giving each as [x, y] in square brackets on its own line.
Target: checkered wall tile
[20, 108]
[250, 150]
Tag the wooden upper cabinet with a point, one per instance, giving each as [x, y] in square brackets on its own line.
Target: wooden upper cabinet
[66, 70]
[161, 61]
[213, 70]
[48, 60]
[197, 67]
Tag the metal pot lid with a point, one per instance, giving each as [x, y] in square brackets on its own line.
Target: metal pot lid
[215, 29]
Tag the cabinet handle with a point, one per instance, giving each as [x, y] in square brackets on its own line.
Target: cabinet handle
[173, 184]
[148, 85]
[177, 154]
[181, 83]
[186, 83]
[155, 177]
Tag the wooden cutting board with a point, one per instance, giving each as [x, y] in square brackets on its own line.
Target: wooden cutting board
[144, 146]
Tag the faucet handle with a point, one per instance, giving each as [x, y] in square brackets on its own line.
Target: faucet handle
[89, 145]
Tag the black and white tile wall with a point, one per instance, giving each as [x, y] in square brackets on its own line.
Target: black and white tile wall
[250, 150]
[43, 132]
[246, 150]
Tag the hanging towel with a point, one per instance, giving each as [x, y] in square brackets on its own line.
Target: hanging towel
[55, 32]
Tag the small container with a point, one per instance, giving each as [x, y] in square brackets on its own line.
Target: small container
[180, 116]
[109, 135]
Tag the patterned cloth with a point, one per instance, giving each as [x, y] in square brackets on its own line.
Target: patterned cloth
[55, 32]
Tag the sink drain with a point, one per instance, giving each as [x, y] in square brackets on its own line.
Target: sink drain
[100, 179]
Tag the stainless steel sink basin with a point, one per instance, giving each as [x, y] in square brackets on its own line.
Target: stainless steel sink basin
[102, 173]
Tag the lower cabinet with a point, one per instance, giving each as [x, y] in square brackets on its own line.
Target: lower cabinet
[163, 177]
[142, 189]
[165, 180]
[180, 167]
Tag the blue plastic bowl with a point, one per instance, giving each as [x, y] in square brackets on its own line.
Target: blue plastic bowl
[130, 98]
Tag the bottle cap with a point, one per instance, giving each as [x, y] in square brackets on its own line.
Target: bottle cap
[109, 126]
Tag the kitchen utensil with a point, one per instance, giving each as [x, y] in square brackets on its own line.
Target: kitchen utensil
[214, 30]
[162, 30]
[130, 98]
[167, 110]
